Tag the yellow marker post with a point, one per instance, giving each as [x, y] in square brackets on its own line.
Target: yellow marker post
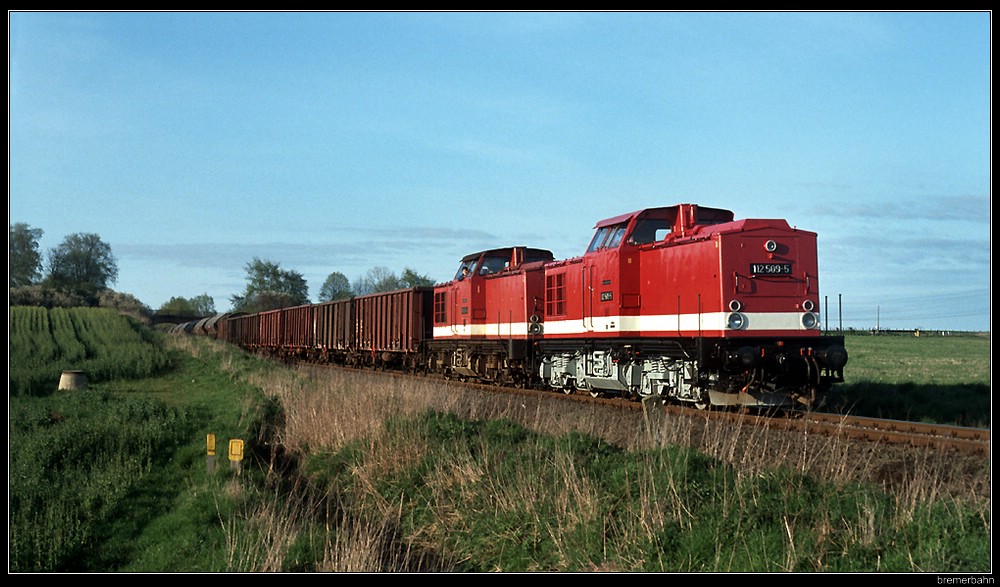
[210, 459]
[235, 453]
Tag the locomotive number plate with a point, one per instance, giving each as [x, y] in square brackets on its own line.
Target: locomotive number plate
[770, 268]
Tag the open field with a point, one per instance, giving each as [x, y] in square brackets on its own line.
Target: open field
[941, 379]
[359, 471]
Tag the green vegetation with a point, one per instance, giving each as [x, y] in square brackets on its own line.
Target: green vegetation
[940, 379]
[491, 496]
[101, 342]
[354, 471]
[76, 461]
[114, 477]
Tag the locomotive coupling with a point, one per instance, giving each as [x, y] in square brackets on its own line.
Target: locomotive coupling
[743, 358]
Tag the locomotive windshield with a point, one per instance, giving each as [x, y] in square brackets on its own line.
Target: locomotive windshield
[607, 237]
[465, 268]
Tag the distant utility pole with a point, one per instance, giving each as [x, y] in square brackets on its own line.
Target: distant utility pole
[826, 314]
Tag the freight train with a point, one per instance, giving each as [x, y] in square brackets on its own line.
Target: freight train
[682, 303]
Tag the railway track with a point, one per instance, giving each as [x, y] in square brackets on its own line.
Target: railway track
[963, 440]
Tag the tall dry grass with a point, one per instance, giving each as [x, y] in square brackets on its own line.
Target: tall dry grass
[326, 410]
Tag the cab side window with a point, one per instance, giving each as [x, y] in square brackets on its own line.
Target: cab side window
[650, 231]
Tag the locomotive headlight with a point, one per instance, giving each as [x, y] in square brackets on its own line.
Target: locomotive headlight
[735, 305]
[807, 305]
[770, 246]
[810, 320]
[736, 321]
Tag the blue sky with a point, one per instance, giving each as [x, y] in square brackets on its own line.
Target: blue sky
[194, 142]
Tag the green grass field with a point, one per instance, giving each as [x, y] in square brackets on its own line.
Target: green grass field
[940, 379]
[101, 342]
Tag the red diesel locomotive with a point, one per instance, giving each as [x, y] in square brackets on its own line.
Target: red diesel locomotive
[488, 319]
[681, 302]
[684, 302]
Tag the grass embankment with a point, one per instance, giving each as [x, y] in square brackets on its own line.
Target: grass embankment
[938, 379]
[472, 483]
[363, 472]
[115, 477]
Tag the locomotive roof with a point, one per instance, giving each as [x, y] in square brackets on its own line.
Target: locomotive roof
[506, 251]
[704, 214]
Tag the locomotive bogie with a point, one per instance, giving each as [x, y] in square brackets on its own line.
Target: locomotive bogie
[495, 361]
[699, 372]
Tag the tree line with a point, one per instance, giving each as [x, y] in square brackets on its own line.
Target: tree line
[82, 268]
[77, 272]
[269, 286]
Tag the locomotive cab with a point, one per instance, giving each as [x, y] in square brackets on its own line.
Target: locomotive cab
[486, 318]
[496, 261]
[460, 306]
[655, 225]
[604, 292]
